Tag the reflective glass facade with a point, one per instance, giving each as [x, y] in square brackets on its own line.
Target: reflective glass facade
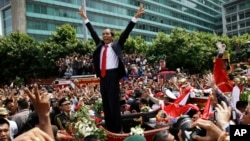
[6, 20]
[236, 17]
[43, 16]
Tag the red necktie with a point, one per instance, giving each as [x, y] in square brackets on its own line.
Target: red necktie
[104, 57]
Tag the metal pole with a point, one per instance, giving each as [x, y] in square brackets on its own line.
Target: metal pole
[85, 34]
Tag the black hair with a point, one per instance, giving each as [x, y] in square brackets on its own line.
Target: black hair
[91, 138]
[7, 101]
[137, 93]
[241, 104]
[192, 112]
[112, 33]
[161, 135]
[4, 121]
[23, 104]
[144, 101]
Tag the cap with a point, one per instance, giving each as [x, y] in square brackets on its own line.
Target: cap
[64, 100]
[170, 94]
[159, 94]
[135, 138]
[3, 111]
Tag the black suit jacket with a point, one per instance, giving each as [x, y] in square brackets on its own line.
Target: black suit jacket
[61, 120]
[117, 47]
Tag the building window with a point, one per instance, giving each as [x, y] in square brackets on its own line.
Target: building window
[248, 23]
[234, 18]
[234, 27]
[229, 28]
[241, 15]
[242, 25]
[247, 14]
[230, 10]
[242, 6]
[43, 10]
[36, 8]
[7, 22]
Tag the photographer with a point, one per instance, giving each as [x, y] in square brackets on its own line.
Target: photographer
[218, 131]
[204, 130]
[213, 132]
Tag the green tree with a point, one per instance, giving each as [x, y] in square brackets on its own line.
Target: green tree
[18, 56]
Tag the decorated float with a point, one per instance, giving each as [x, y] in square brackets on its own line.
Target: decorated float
[83, 124]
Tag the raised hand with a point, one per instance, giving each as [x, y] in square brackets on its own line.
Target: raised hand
[82, 13]
[140, 11]
[39, 100]
[221, 47]
[34, 134]
[41, 103]
[223, 114]
[210, 80]
[212, 131]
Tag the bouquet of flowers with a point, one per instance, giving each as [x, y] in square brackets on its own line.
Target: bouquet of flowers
[245, 96]
[97, 106]
[145, 109]
[82, 125]
[137, 130]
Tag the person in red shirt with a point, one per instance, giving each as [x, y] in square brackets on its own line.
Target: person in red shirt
[222, 69]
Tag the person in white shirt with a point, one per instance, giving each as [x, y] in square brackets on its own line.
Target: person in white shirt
[13, 126]
[236, 92]
[109, 67]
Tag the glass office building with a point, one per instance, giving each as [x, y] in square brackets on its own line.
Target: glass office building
[39, 18]
[236, 17]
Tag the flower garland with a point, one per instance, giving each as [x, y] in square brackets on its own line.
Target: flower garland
[145, 109]
[137, 130]
[97, 106]
[82, 125]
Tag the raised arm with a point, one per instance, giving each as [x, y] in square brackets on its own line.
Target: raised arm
[89, 26]
[131, 25]
[82, 13]
[41, 104]
[140, 11]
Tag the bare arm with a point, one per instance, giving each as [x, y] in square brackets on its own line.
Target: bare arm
[41, 104]
[152, 98]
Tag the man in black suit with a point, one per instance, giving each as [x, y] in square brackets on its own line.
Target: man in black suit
[114, 71]
[62, 119]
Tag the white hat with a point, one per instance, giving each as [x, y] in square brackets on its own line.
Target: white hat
[170, 94]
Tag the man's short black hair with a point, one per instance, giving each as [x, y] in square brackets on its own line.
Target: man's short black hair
[91, 138]
[7, 101]
[23, 104]
[112, 33]
[161, 135]
[4, 121]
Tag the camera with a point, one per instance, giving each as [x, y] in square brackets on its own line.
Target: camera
[184, 124]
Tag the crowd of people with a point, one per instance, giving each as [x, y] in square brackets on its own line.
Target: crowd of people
[136, 65]
[20, 109]
[128, 85]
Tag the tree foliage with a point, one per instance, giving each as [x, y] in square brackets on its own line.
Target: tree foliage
[18, 56]
[23, 57]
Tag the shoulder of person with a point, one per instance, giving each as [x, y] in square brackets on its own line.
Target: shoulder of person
[59, 115]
